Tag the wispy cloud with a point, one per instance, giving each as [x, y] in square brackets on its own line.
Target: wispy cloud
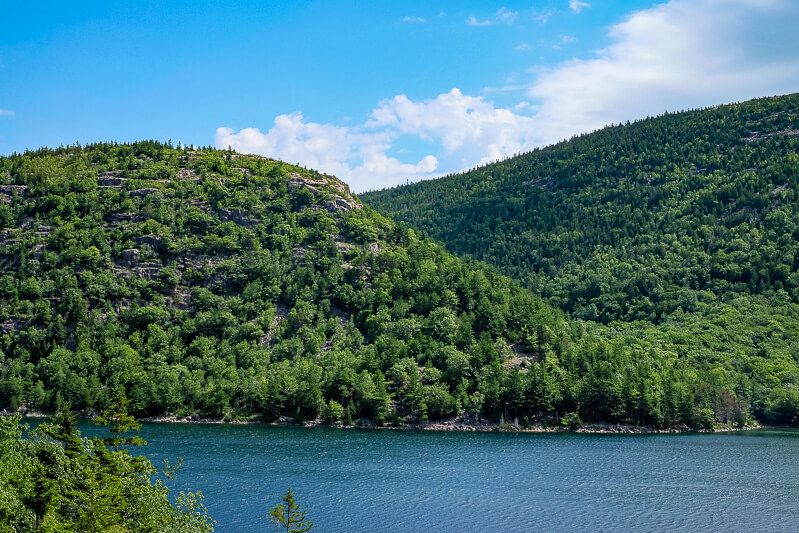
[504, 89]
[502, 16]
[576, 6]
[6, 113]
[523, 47]
[542, 17]
[677, 55]
[414, 20]
[563, 41]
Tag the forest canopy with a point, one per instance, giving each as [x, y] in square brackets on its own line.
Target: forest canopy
[202, 281]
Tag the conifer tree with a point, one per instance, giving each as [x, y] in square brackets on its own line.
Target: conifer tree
[120, 422]
[289, 516]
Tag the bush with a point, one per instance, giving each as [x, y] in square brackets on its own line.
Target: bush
[702, 418]
[572, 421]
[332, 413]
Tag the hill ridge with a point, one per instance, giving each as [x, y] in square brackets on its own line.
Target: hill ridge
[209, 283]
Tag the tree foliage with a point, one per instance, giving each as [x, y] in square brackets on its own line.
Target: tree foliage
[289, 516]
[53, 479]
[680, 232]
[199, 281]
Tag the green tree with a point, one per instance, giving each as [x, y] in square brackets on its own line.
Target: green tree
[288, 516]
[119, 423]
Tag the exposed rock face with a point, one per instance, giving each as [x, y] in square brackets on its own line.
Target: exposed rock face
[119, 218]
[130, 256]
[756, 136]
[141, 193]
[38, 250]
[149, 271]
[188, 174]
[299, 181]
[540, 183]
[239, 216]
[153, 241]
[43, 230]
[110, 179]
[12, 325]
[340, 204]
[336, 194]
[13, 189]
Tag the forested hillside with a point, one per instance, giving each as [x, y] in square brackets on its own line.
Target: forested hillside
[213, 283]
[635, 221]
[681, 231]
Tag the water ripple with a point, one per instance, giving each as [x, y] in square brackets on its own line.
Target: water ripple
[354, 480]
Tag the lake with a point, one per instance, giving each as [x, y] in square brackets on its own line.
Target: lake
[381, 480]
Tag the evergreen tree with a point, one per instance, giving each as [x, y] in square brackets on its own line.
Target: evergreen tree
[289, 516]
[120, 422]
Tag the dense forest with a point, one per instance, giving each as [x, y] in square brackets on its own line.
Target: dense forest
[200, 281]
[634, 221]
[680, 232]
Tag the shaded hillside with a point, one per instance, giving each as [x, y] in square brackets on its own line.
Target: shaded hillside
[635, 221]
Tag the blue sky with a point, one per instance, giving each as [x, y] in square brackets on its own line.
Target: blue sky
[378, 92]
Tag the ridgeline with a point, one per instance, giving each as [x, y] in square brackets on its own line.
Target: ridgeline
[209, 283]
[681, 232]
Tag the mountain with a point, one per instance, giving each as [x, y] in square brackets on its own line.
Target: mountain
[681, 232]
[206, 282]
[634, 221]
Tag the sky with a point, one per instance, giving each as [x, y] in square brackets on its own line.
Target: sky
[378, 93]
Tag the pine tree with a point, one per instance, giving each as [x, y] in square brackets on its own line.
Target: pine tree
[63, 428]
[120, 422]
[289, 517]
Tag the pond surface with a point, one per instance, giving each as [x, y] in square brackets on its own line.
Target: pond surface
[381, 480]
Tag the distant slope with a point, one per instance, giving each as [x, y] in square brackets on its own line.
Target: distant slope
[635, 221]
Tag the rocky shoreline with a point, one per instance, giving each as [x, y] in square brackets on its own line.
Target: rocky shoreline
[460, 424]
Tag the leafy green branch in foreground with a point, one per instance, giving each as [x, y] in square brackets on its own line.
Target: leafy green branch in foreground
[53, 479]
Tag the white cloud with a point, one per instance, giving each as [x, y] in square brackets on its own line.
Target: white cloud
[505, 16]
[504, 89]
[577, 6]
[564, 40]
[471, 20]
[678, 55]
[6, 113]
[414, 20]
[470, 129]
[464, 130]
[523, 47]
[502, 16]
[542, 17]
[352, 153]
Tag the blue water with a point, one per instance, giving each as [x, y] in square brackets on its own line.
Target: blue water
[379, 480]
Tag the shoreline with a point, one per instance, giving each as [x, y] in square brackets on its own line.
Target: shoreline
[465, 426]
[459, 424]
